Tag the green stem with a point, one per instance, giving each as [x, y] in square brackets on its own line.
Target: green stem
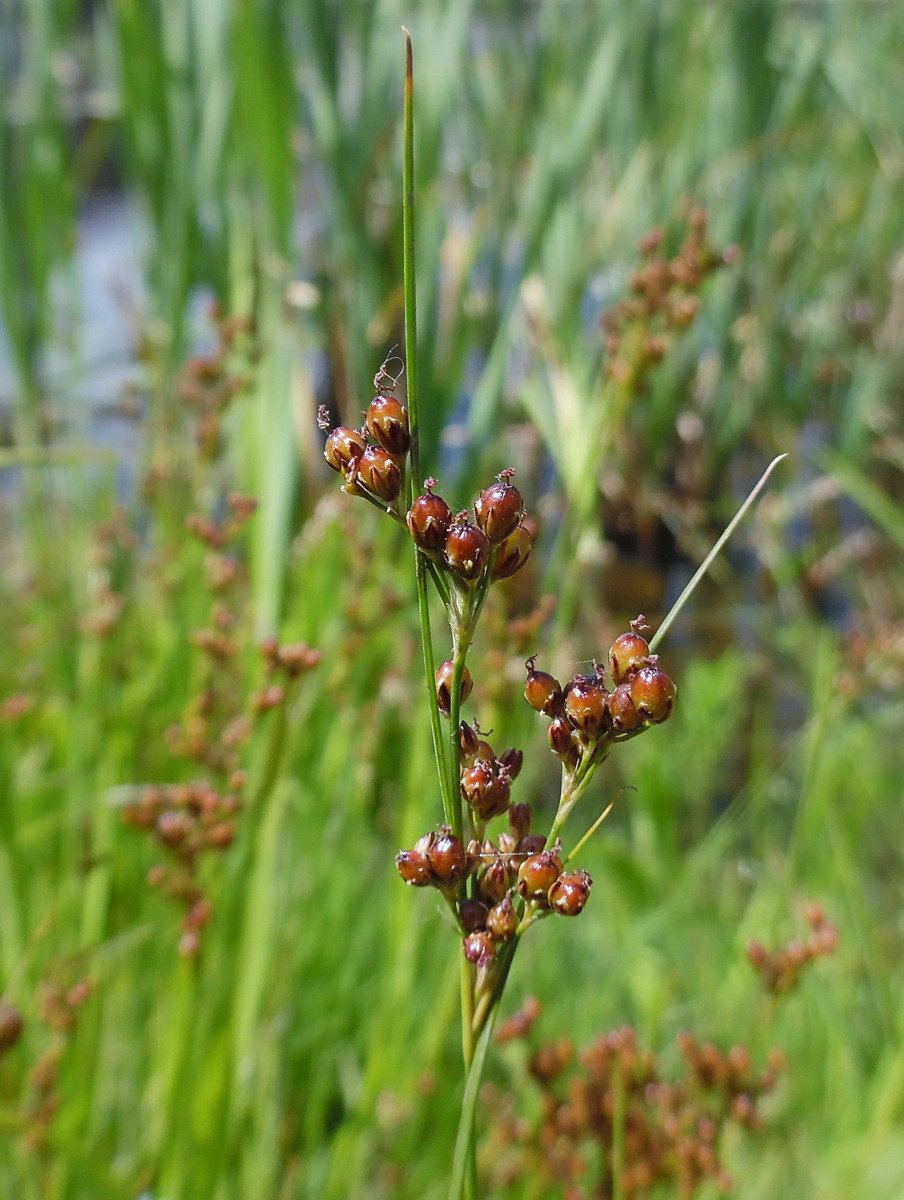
[414, 474]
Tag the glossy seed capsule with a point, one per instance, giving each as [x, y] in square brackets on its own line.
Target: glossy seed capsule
[537, 874]
[623, 716]
[479, 948]
[585, 706]
[568, 895]
[653, 694]
[498, 509]
[443, 681]
[414, 868]
[467, 548]
[448, 860]
[626, 655]
[387, 424]
[502, 920]
[542, 691]
[342, 446]
[428, 522]
[512, 553]
[379, 473]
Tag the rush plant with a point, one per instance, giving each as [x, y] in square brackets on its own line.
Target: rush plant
[497, 874]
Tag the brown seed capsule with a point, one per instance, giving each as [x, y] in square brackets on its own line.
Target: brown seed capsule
[653, 694]
[379, 473]
[502, 920]
[623, 716]
[499, 508]
[520, 817]
[542, 691]
[486, 788]
[560, 739]
[469, 743]
[494, 880]
[11, 1026]
[428, 522]
[569, 893]
[174, 827]
[342, 446]
[585, 706]
[479, 948]
[414, 868]
[472, 915]
[512, 760]
[626, 655]
[467, 548]
[387, 424]
[447, 859]
[443, 680]
[537, 874]
[512, 554]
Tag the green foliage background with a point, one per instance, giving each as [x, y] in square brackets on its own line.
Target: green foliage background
[311, 1050]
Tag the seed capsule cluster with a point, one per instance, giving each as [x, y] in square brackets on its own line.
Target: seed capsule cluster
[614, 1093]
[586, 716]
[780, 969]
[372, 458]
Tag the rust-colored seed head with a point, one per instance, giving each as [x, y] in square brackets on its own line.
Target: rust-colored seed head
[512, 553]
[498, 510]
[428, 522]
[448, 859]
[443, 680]
[467, 548]
[342, 446]
[502, 920]
[379, 473]
[542, 691]
[469, 743]
[472, 914]
[569, 893]
[586, 706]
[653, 694]
[494, 880]
[479, 948]
[414, 868]
[623, 716]
[486, 789]
[626, 655]
[387, 424]
[537, 874]
[512, 760]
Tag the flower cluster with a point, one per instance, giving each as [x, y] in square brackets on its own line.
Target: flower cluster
[780, 969]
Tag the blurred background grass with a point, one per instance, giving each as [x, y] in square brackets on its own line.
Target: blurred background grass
[157, 156]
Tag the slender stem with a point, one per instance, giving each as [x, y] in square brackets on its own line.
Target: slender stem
[463, 1163]
[414, 475]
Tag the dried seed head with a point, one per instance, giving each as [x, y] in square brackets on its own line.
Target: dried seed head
[542, 691]
[469, 743]
[379, 473]
[537, 874]
[512, 760]
[428, 522]
[448, 859]
[626, 655]
[486, 787]
[569, 893]
[520, 817]
[467, 548]
[387, 424]
[494, 880]
[586, 707]
[499, 508]
[443, 680]
[342, 446]
[653, 694]
[513, 553]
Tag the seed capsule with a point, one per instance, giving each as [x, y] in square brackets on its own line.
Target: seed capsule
[342, 446]
[443, 680]
[428, 522]
[569, 893]
[494, 880]
[560, 739]
[623, 716]
[472, 915]
[387, 424]
[467, 548]
[11, 1026]
[469, 743]
[414, 868]
[447, 859]
[512, 760]
[626, 655]
[502, 920]
[653, 694]
[379, 473]
[519, 818]
[537, 874]
[542, 691]
[512, 554]
[585, 706]
[499, 508]
[486, 789]
[479, 948]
